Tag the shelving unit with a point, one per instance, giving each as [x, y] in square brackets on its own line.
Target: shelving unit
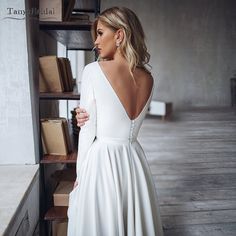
[60, 96]
[74, 36]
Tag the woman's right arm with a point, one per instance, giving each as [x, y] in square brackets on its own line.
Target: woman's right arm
[88, 130]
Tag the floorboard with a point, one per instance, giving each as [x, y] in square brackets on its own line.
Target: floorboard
[192, 158]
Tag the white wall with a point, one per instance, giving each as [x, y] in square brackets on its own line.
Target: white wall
[16, 128]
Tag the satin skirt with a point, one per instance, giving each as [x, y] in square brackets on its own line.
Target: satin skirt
[115, 195]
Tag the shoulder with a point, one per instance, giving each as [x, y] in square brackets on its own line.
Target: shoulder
[90, 70]
[145, 76]
[90, 67]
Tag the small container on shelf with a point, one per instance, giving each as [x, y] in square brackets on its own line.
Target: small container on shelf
[61, 194]
[52, 10]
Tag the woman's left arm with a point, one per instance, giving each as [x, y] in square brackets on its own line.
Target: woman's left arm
[81, 116]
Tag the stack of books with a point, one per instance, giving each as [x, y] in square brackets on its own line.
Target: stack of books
[55, 74]
[75, 128]
[81, 18]
[68, 8]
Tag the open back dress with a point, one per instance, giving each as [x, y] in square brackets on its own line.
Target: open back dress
[115, 195]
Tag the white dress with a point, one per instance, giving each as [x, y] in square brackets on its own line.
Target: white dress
[115, 195]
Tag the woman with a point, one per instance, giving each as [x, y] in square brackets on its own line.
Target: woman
[114, 193]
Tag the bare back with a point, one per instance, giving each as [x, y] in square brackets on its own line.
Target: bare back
[132, 95]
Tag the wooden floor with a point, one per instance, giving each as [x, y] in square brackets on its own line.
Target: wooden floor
[193, 161]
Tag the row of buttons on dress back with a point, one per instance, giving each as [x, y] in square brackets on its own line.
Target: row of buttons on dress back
[131, 130]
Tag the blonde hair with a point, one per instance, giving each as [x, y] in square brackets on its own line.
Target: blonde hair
[133, 46]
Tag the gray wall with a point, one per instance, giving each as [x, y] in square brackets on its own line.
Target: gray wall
[193, 48]
[32, 32]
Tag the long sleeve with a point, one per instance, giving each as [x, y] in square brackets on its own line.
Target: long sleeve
[88, 131]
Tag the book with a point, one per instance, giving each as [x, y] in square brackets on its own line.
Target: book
[67, 135]
[68, 8]
[69, 74]
[55, 136]
[42, 82]
[50, 74]
[80, 18]
[65, 78]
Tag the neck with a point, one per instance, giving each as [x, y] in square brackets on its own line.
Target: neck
[117, 58]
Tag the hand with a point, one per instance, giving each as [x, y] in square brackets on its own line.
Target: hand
[81, 116]
[75, 184]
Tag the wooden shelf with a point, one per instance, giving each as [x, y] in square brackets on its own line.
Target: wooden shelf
[70, 158]
[60, 96]
[88, 10]
[64, 25]
[56, 213]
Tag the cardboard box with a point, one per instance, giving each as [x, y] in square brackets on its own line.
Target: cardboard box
[55, 136]
[59, 228]
[61, 194]
[51, 10]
